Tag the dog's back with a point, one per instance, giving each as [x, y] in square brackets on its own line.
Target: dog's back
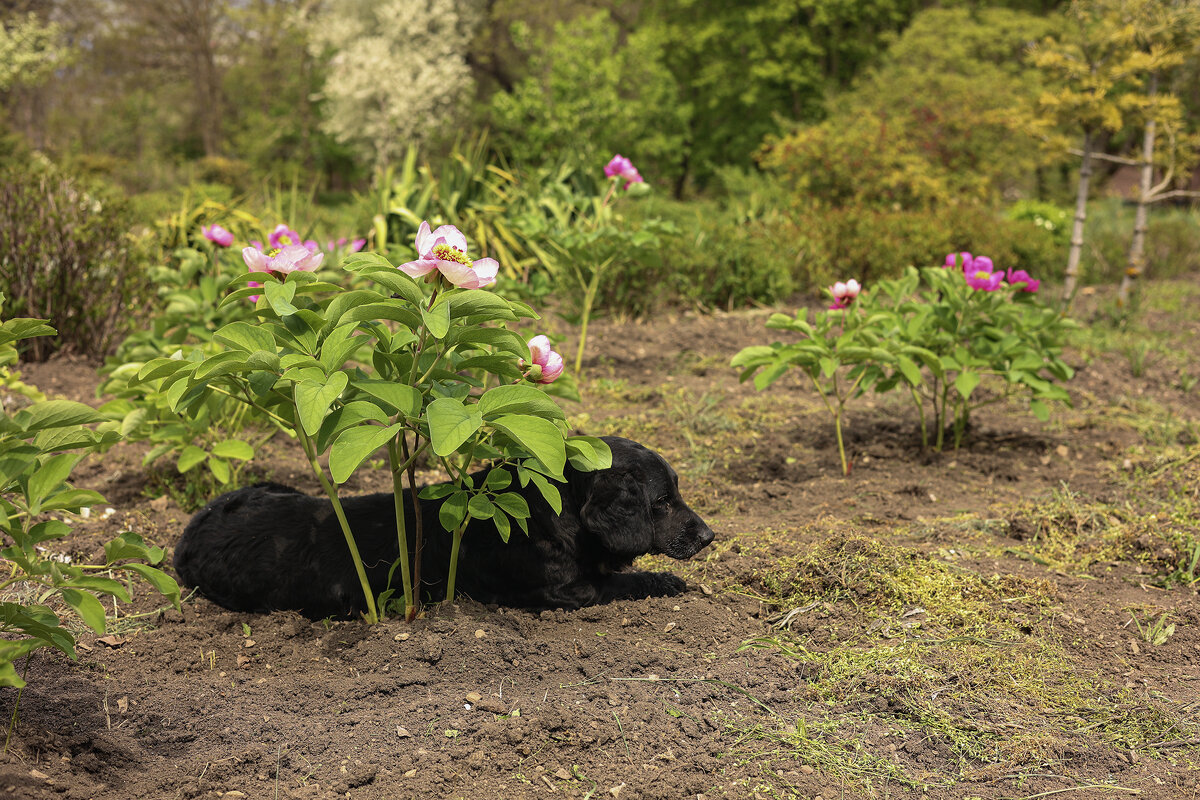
[262, 548]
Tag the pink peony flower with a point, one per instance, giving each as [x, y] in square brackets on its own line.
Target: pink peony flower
[620, 166]
[290, 259]
[953, 259]
[445, 250]
[254, 285]
[984, 280]
[844, 293]
[1017, 277]
[217, 235]
[546, 364]
[282, 237]
[981, 264]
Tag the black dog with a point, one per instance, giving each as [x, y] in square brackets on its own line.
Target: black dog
[270, 547]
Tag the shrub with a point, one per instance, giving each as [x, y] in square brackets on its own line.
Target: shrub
[66, 255]
[1172, 241]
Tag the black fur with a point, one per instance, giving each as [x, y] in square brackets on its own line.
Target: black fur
[270, 547]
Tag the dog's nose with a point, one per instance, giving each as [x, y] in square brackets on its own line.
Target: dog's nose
[706, 535]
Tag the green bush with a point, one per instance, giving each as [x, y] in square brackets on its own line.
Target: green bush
[66, 255]
[872, 243]
[1172, 241]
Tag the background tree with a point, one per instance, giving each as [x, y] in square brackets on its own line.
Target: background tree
[397, 70]
[1097, 68]
[1169, 31]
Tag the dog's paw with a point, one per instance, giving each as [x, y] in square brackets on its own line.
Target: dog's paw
[664, 584]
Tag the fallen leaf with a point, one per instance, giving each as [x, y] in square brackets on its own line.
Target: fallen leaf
[474, 697]
[123, 705]
[403, 732]
[562, 774]
[112, 641]
[36, 775]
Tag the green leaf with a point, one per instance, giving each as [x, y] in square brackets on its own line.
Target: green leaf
[437, 319]
[95, 583]
[190, 457]
[518, 399]
[588, 453]
[1040, 410]
[221, 364]
[400, 396]
[163, 583]
[911, 372]
[72, 500]
[279, 296]
[131, 545]
[314, 399]
[246, 337]
[549, 491]
[353, 413]
[233, 448]
[49, 477]
[479, 507]
[966, 382]
[57, 414]
[451, 423]
[498, 478]
[354, 445]
[540, 437]
[503, 526]
[513, 504]
[87, 606]
[453, 511]
[219, 468]
[478, 302]
[161, 367]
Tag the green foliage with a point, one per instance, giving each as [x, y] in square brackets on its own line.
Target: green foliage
[945, 119]
[351, 370]
[592, 92]
[29, 51]
[871, 243]
[217, 433]
[66, 254]
[1053, 219]
[928, 333]
[1172, 241]
[35, 465]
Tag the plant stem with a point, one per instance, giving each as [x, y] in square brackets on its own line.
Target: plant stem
[411, 613]
[837, 425]
[921, 412]
[401, 525]
[454, 545]
[589, 297]
[372, 615]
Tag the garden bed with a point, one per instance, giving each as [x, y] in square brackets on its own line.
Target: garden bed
[986, 622]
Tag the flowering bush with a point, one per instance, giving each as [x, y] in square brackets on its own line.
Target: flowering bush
[411, 367]
[937, 332]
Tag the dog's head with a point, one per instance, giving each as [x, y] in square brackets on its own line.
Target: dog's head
[634, 507]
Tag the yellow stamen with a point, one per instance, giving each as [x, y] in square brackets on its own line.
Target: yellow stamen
[444, 252]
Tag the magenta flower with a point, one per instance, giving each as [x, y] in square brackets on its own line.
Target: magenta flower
[620, 166]
[546, 364]
[967, 259]
[254, 285]
[445, 250]
[289, 259]
[354, 247]
[1017, 277]
[981, 264]
[282, 237]
[984, 280]
[217, 235]
[844, 294]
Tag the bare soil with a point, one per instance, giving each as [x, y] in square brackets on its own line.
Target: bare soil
[1057, 536]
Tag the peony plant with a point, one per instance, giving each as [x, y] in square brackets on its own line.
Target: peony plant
[419, 361]
[937, 333]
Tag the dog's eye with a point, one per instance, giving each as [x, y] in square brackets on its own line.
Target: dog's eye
[663, 502]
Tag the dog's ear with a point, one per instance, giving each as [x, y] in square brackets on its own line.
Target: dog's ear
[617, 512]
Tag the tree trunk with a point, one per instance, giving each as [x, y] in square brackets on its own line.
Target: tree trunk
[1081, 196]
[1137, 248]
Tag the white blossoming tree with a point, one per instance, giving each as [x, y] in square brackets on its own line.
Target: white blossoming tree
[396, 69]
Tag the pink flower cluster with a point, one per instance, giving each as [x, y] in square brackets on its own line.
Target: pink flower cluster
[844, 293]
[545, 364]
[622, 167]
[981, 274]
[217, 235]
